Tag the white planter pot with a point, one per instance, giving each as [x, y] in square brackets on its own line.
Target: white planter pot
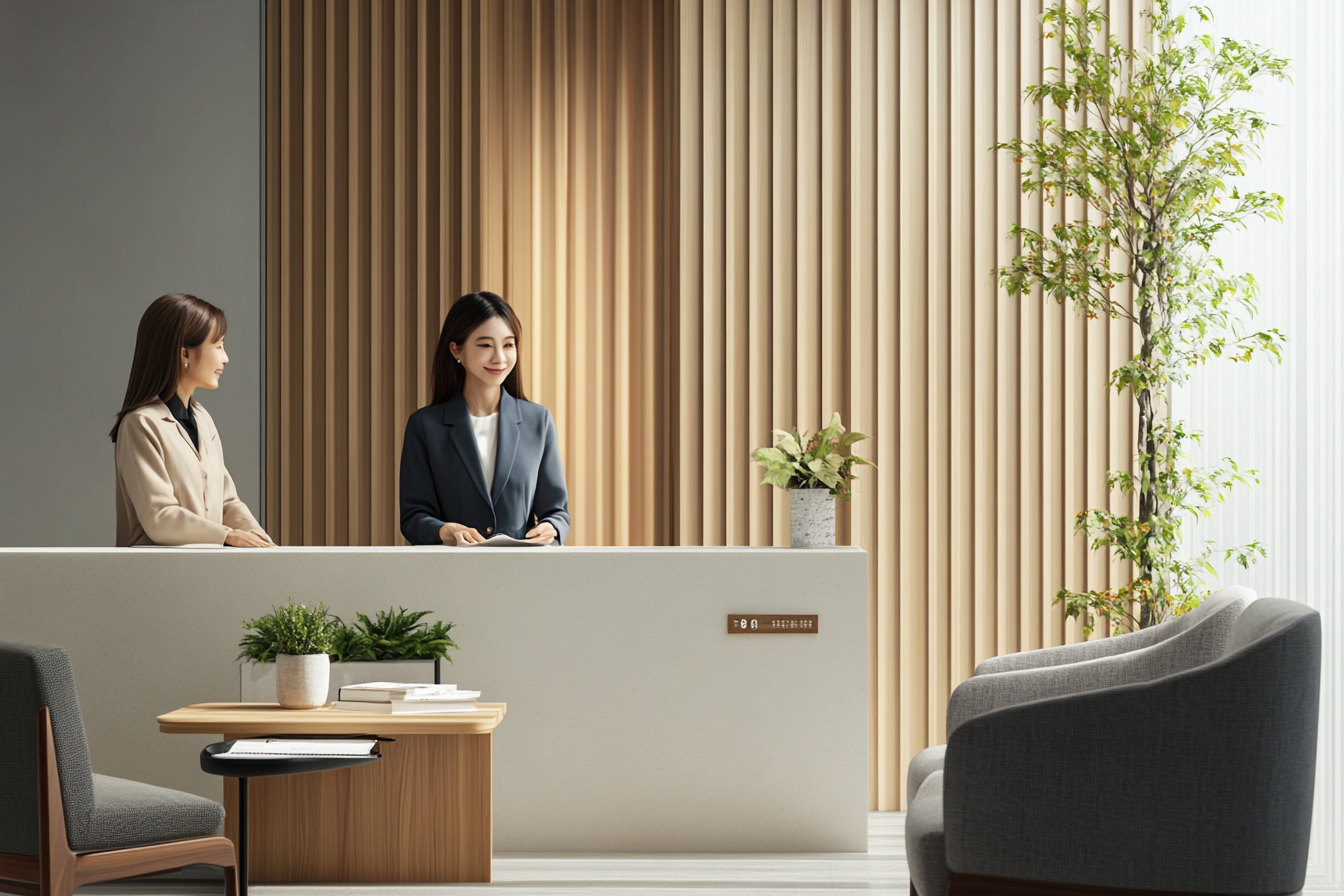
[257, 680]
[301, 681]
[811, 518]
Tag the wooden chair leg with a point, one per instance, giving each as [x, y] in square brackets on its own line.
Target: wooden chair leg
[231, 880]
[56, 863]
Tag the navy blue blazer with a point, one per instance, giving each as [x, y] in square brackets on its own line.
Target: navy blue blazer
[442, 479]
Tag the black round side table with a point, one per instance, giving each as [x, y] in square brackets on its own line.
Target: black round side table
[266, 766]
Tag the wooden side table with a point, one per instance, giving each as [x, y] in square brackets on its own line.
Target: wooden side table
[421, 814]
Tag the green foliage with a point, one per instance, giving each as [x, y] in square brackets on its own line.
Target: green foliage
[800, 461]
[394, 635]
[293, 630]
[1157, 135]
[390, 635]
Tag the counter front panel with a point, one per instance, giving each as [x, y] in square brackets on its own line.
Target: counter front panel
[636, 721]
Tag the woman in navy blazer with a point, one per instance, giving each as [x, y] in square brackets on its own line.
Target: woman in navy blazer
[481, 460]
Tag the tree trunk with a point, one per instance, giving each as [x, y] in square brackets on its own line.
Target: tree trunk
[1147, 445]
[1147, 503]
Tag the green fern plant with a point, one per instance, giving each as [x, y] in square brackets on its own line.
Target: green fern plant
[394, 635]
[390, 635]
[293, 630]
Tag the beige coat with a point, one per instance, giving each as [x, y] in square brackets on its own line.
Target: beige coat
[167, 493]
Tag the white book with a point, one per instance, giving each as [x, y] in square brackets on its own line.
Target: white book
[382, 691]
[399, 708]
[264, 747]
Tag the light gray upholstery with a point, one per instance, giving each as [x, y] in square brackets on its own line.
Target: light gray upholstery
[128, 813]
[925, 763]
[1195, 645]
[925, 849]
[1201, 779]
[1102, 647]
[100, 812]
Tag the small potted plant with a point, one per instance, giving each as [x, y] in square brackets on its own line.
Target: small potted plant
[393, 645]
[815, 473]
[299, 640]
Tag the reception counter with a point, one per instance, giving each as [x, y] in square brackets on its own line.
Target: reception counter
[636, 721]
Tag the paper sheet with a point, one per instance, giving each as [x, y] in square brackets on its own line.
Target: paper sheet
[503, 541]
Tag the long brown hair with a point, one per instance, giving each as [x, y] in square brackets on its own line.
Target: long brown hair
[170, 324]
[468, 313]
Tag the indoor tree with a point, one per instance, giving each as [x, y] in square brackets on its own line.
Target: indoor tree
[1158, 135]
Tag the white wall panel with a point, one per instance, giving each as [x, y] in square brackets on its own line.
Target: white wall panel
[1285, 420]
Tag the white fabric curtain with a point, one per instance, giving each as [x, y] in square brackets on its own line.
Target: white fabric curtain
[1285, 420]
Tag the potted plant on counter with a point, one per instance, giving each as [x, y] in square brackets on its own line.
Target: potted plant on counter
[299, 640]
[816, 474]
[393, 645]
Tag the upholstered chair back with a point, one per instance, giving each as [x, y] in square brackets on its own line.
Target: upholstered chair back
[33, 676]
[1232, 599]
[1206, 773]
[1192, 644]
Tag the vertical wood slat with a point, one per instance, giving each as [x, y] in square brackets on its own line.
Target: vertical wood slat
[888, 216]
[715, 218]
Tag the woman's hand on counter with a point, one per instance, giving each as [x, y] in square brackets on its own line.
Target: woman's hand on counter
[543, 533]
[456, 533]
[237, 538]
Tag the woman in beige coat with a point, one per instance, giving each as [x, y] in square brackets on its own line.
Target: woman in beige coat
[172, 485]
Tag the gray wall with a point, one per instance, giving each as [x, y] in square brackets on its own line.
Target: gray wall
[130, 166]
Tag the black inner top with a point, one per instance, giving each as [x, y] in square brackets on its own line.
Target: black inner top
[187, 417]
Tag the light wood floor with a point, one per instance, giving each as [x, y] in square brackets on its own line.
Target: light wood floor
[879, 871]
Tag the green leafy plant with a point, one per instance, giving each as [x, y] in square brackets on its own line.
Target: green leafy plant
[292, 629]
[800, 461]
[1157, 137]
[394, 635]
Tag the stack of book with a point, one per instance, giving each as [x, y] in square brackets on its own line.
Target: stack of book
[404, 699]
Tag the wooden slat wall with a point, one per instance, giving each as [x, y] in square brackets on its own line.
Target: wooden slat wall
[715, 217]
[418, 150]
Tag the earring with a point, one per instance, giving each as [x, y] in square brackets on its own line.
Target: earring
[459, 360]
[186, 366]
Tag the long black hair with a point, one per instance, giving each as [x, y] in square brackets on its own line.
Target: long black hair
[468, 313]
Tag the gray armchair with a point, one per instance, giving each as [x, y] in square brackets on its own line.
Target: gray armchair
[1180, 643]
[1200, 778]
[62, 826]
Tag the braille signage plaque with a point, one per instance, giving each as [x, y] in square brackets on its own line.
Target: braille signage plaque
[771, 624]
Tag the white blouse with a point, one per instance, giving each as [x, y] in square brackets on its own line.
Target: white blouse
[487, 443]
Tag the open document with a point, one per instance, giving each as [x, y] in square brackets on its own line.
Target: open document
[503, 541]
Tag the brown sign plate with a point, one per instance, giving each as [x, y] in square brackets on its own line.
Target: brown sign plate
[771, 624]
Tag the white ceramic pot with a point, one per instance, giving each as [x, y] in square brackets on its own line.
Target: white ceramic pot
[811, 518]
[301, 681]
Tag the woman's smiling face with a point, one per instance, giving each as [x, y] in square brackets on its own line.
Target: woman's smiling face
[490, 352]
[204, 364]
